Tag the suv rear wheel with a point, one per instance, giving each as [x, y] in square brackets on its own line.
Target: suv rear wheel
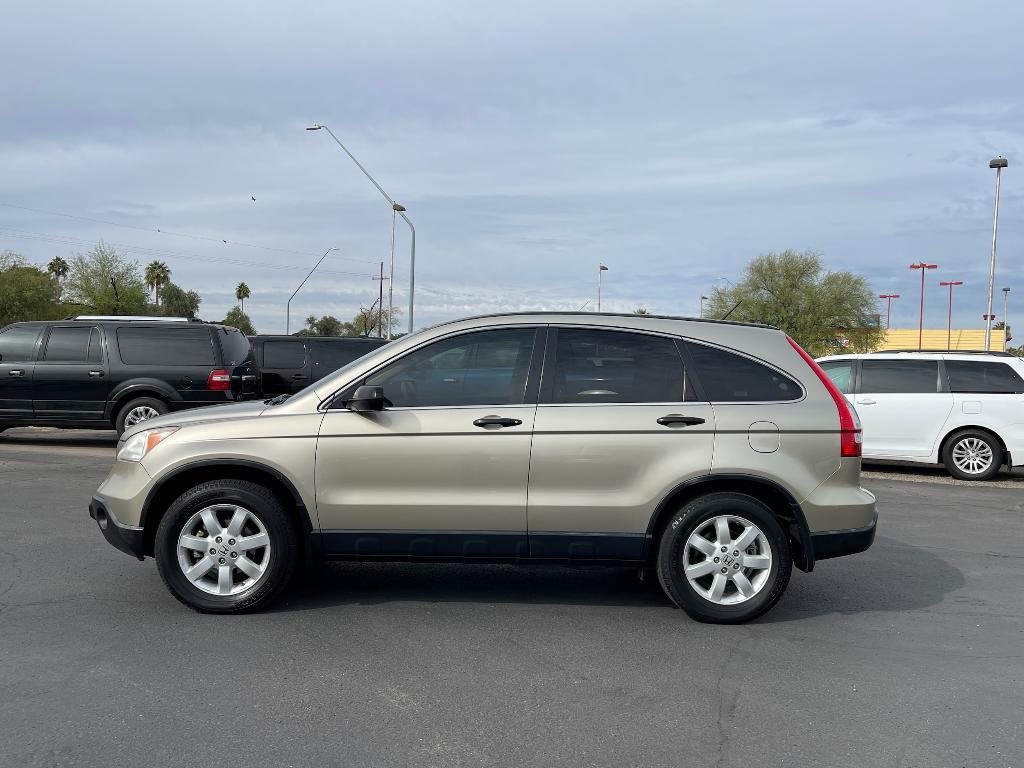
[724, 558]
[137, 411]
[226, 546]
[972, 455]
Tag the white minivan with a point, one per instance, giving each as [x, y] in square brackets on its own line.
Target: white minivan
[963, 409]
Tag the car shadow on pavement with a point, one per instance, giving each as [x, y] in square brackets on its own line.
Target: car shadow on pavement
[70, 438]
[891, 576]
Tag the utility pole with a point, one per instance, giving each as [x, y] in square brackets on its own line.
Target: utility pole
[380, 301]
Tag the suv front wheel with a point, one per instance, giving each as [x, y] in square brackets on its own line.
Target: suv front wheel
[226, 546]
[724, 558]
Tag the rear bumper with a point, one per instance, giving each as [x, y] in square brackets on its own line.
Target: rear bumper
[828, 544]
[126, 538]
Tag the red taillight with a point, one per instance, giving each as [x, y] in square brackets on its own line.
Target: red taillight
[849, 429]
[219, 380]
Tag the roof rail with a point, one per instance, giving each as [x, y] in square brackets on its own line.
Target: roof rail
[135, 318]
[942, 352]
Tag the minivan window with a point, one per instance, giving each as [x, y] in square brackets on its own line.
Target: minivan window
[899, 376]
[78, 344]
[841, 373]
[17, 342]
[234, 345]
[284, 354]
[479, 368]
[983, 377]
[331, 355]
[727, 377]
[593, 365]
[166, 346]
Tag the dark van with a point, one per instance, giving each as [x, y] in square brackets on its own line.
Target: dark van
[290, 363]
[114, 372]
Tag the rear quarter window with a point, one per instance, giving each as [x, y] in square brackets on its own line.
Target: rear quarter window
[166, 347]
[970, 376]
[727, 377]
[235, 346]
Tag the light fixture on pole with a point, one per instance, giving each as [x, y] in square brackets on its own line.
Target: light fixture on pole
[949, 316]
[1006, 319]
[920, 325]
[702, 300]
[600, 268]
[998, 163]
[288, 307]
[395, 208]
[888, 305]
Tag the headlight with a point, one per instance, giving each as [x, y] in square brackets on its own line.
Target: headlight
[141, 443]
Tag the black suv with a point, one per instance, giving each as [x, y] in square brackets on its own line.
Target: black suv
[103, 372]
[289, 363]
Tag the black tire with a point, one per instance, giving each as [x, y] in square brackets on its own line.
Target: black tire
[283, 554]
[690, 518]
[139, 402]
[963, 437]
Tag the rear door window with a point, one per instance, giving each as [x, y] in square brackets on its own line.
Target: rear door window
[593, 365]
[728, 377]
[970, 376]
[166, 347]
[905, 377]
[73, 344]
[17, 343]
[841, 373]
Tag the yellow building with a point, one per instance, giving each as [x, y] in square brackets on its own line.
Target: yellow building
[961, 338]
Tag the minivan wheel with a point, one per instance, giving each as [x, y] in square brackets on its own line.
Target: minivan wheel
[972, 455]
[137, 411]
[724, 558]
[226, 546]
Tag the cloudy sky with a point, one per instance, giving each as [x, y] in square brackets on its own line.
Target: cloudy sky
[529, 140]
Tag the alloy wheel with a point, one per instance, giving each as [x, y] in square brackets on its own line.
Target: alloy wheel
[973, 456]
[140, 414]
[727, 560]
[224, 549]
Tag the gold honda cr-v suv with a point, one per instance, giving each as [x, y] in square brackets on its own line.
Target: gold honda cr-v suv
[717, 454]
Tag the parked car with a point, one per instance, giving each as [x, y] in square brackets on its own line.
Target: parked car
[116, 372]
[529, 438]
[290, 363]
[965, 410]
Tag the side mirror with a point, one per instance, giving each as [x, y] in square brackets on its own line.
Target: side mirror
[367, 399]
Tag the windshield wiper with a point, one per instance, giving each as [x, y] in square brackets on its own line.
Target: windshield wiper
[276, 400]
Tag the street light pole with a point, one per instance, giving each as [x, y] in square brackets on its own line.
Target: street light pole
[288, 307]
[888, 305]
[920, 325]
[998, 163]
[703, 298]
[949, 317]
[395, 208]
[600, 268]
[1006, 318]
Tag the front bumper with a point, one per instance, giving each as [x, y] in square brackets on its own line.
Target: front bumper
[127, 538]
[828, 544]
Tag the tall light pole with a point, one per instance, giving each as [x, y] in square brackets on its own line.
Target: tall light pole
[999, 163]
[888, 305]
[600, 269]
[288, 308]
[920, 326]
[949, 317]
[395, 208]
[702, 300]
[1006, 319]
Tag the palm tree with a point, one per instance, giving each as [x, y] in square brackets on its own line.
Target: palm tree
[242, 293]
[157, 275]
[58, 268]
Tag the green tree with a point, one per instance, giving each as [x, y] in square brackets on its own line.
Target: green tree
[106, 282]
[242, 293]
[328, 325]
[157, 276]
[26, 292]
[236, 318]
[58, 268]
[177, 302]
[641, 311]
[372, 321]
[823, 311]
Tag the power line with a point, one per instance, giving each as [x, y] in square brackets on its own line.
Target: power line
[166, 253]
[156, 230]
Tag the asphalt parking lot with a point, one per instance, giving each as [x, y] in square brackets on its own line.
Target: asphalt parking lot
[911, 654]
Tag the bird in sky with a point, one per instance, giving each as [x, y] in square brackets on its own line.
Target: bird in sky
[253, 198]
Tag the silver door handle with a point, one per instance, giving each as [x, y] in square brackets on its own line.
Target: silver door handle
[96, 374]
[16, 372]
[865, 401]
